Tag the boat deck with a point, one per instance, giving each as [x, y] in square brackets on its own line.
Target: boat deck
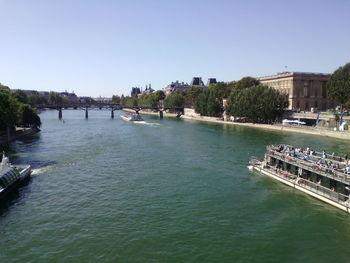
[316, 190]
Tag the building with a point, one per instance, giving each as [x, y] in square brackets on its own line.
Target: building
[71, 97]
[305, 90]
[148, 90]
[211, 81]
[197, 81]
[176, 86]
[135, 91]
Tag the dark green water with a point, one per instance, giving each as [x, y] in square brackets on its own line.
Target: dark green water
[171, 191]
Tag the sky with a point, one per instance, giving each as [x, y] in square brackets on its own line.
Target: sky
[104, 47]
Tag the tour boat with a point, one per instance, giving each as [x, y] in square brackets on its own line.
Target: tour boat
[323, 176]
[132, 117]
[11, 176]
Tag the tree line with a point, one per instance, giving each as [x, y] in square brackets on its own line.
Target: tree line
[247, 99]
[39, 99]
[13, 112]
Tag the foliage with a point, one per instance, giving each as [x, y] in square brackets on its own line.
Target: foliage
[116, 99]
[36, 99]
[55, 98]
[245, 83]
[192, 95]
[338, 86]
[21, 96]
[257, 104]
[175, 100]
[159, 95]
[209, 103]
[145, 100]
[28, 116]
[148, 100]
[130, 101]
[13, 112]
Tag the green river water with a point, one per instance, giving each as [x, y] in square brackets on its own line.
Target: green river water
[169, 190]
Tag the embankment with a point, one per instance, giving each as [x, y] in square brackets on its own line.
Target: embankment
[344, 135]
[20, 133]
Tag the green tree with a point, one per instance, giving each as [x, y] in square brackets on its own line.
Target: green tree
[338, 86]
[116, 99]
[209, 103]
[28, 116]
[191, 95]
[8, 109]
[175, 100]
[55, 98]
[257, 104]
[14, 113]
[245, 83]
[159, 95]
[21, 96]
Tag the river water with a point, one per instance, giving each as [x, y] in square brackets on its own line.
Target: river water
[170, 190]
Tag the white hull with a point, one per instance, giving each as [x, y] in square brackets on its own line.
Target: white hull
[293, 183]
[129, 119]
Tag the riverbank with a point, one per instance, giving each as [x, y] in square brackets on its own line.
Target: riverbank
[344, 135]
[20, 133]
[165, 114]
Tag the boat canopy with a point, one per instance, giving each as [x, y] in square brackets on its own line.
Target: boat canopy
[9, 177]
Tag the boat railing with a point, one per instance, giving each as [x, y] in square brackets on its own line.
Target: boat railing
[324, 191]
[313, 167]
[311, 186]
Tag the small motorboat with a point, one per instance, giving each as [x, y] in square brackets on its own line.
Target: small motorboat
[132, 117]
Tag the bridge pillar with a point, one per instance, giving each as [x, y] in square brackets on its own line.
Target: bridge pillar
[86, 113]
[60, 113]
[112, 114]
[161, 114]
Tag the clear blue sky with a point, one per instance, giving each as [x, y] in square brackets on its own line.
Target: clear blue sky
[104, 47]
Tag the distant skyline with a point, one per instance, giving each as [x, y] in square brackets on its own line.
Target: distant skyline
[105, 47]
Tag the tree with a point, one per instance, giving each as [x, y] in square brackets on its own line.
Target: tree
[175, 100]
[257, 104]
[28, 116]
[209, 103]
[116, 99]
[8, 109]
[21, 96]
[338, 86]
[245, 83]
[159, 95]
[13, 112]
[201, 104]
[191, 95]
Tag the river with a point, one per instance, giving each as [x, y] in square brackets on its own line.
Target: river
[104, 190]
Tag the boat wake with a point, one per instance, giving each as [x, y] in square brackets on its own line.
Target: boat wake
[149, 123]
[42, 170]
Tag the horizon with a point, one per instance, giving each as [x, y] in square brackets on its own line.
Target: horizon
[104, 48]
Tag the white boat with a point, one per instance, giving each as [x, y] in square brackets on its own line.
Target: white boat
[132, 117]
[319, 175]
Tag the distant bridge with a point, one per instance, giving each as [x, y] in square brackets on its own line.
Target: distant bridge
[86, 106]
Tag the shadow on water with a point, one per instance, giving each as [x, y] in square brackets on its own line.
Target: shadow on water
[14, 197]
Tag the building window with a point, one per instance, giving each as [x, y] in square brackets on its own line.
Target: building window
[306, 89]
[324, 89]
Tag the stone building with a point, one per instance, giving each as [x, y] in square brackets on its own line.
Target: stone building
[211, 81]
[197, 81]
[306, 90]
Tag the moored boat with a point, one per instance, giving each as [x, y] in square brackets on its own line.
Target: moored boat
[132, 117]
[323, 176]
[11, 176]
